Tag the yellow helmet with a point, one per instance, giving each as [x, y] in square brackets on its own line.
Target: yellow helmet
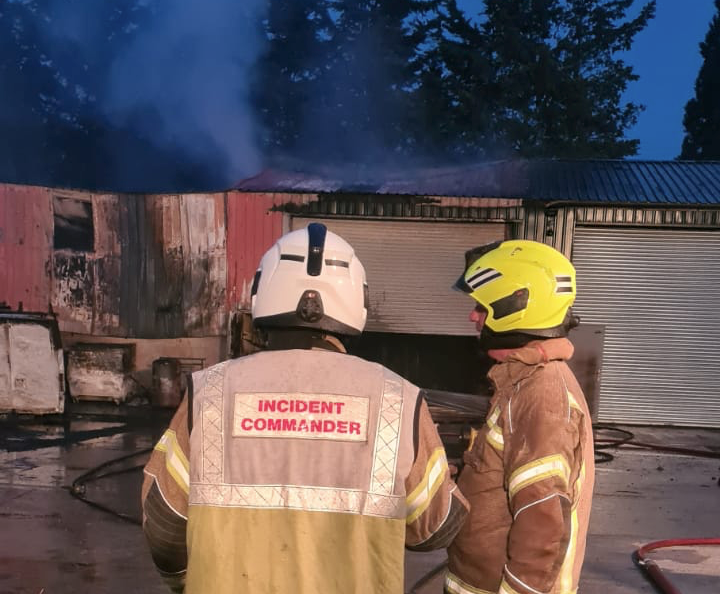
[526, 287]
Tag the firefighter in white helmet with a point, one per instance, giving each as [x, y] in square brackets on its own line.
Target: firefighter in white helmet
[529, 473]
[300, 468]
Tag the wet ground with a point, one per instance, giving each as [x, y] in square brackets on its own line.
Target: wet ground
[55, 543]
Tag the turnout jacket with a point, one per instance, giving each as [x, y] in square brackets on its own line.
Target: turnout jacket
[529, 478]
[305, 471]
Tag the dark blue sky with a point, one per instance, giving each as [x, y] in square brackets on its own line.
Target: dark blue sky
[666, 56]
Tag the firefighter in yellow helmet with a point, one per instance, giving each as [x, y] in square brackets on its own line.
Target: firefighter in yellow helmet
[529, 473]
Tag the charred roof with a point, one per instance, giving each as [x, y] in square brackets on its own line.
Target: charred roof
[544, 180]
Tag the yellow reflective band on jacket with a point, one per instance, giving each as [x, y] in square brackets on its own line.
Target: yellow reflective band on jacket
[175, 460]
[419, 500]
[506, 588]
[578, 485]
[455, 585]
[494, 436]
[566, 571]
[573, 403]
[538, 470]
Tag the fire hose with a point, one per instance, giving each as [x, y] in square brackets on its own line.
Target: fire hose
[652, 570]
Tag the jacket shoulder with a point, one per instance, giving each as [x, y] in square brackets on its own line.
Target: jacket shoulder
[544, 392]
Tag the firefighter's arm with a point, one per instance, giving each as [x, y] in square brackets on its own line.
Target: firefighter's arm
[539, 456]
[165, 500]
[435, 507]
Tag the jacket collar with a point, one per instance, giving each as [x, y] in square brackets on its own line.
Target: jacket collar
[520, 363]
[328, 342]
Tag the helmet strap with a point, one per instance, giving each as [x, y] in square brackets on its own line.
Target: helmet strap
[285, 339]
[490, 340]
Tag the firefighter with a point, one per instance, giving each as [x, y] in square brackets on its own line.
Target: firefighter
[529, 472]
[300, 468]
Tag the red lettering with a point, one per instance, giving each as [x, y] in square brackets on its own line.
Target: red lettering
[342, 426]
[301, 406]
[328, 426]
[302, 426]
[316, 426]
[260, 424]
[267, 406]
[289, 424]
[338, 406]
[282, 405]
[354, 428]
[326, 407]
[246, 424]
[274, 424]
[314, 406]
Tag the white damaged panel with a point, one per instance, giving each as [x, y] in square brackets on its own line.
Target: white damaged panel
[31, 373]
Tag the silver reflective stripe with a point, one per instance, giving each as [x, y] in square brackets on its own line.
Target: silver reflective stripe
[295, 497]
[382, 480]
[211, 396]
[455, 585]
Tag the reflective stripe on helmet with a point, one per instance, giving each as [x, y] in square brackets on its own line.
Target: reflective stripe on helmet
[316, 245]
[482, 276]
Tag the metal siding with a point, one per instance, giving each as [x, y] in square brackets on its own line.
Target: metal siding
[657, 217]
[26, 228]
[203, 218]
[410, 268]
[253, 225]
[656, 291]
[172, 267]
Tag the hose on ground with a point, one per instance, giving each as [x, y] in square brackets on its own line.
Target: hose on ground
[78, 487]
[651, 570]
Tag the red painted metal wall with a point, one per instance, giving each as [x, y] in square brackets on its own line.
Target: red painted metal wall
[26, 231]
[252, 227]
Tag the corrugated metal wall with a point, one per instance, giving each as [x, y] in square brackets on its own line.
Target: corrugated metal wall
[173, 265]
[157, 270]
[648, 217]
[26, 226]
[656, 292]
[254, 223]
[411, 267]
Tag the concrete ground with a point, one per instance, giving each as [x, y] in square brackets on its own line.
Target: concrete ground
[53, 543]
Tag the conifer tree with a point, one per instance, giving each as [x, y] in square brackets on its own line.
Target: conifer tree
[561, 84]
[702, 112]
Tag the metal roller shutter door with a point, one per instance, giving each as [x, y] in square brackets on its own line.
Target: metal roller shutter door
[410, 268]
[656, 291]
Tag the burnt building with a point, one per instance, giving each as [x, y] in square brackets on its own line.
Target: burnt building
[170, 275]
[643, 236]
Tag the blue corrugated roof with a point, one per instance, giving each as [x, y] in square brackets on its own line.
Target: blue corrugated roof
[546, 180]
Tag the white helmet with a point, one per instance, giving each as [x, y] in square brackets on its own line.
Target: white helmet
[311, 278]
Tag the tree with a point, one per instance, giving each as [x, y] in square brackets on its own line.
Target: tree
[286, 75]
[455, 98]
[554, 63]
[54, 59]
[335, 82]
[702, 112]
